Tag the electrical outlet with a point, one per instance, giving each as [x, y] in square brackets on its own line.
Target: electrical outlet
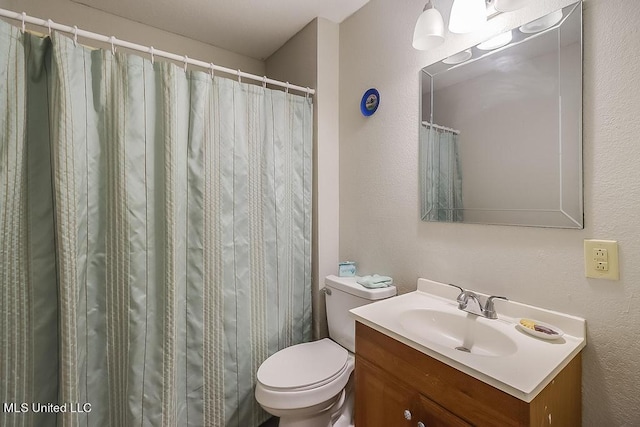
[601, 259]
[600, 254]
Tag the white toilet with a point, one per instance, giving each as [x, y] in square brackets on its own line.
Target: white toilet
[308, 385]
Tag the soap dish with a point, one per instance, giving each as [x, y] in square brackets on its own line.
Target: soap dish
[539, 329]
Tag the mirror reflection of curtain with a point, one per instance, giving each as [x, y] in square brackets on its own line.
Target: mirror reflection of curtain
[442, 178]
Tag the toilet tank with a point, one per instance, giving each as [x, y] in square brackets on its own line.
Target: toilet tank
[343, 294]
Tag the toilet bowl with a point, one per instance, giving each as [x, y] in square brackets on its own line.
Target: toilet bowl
[304, 384]
[310, 384]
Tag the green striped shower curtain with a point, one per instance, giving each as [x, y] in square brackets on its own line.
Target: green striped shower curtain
[155, 231]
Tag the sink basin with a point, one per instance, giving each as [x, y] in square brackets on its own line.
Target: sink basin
[461, 331]
[491, 350]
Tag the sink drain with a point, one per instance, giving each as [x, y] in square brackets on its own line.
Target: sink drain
[465, 349]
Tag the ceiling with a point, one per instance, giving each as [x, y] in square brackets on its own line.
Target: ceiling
[254, 28]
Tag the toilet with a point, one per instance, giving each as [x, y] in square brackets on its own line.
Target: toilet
[309, 384]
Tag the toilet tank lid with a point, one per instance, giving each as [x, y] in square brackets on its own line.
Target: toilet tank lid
[351, 286]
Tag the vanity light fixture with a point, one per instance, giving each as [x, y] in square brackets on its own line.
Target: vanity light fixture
[497, 41]
[467, 15]
[429, 31]
[509, 5]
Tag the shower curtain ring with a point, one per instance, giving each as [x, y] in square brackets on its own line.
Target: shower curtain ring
[264, 82]
[239, 76]
[151, 52]
[186, 62]
[212, 69]
[308, 92]
[49, 23]
[112, 40]
[24, 18]
[75, 35]
[286, 88]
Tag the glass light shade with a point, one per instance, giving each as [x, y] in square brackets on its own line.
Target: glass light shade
[429, 31]
[467, 16]
[543, 23]
[497, 41]
[458, 58]
[509, 5]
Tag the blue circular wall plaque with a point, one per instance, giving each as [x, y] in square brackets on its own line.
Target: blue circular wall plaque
[370, 101]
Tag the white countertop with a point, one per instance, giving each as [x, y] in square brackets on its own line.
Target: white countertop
[522, 374]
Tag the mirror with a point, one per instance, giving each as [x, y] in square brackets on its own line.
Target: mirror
[501, 128]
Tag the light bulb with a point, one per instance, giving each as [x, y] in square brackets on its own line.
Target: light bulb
[467, 16]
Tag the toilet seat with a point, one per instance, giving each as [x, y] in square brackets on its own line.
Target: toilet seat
[303, 366]
[303, 375]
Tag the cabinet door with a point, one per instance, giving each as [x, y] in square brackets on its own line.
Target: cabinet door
[433, 415]
[381, 401]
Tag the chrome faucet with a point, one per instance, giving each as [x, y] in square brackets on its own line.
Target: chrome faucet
[488, 311]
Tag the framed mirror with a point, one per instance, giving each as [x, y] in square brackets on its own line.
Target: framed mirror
[501, 128]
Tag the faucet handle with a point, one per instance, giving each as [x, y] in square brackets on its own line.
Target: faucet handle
[489, 308]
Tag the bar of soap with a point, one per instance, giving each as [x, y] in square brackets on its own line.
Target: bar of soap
[528, 323]
[539, 329]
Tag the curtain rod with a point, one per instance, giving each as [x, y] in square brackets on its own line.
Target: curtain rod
[435, 126]
[75, 31]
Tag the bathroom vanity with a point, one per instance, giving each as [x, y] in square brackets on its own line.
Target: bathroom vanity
[397, 385]
[410, 372]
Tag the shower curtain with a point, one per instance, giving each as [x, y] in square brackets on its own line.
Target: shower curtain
[155, 237]
[441, 179]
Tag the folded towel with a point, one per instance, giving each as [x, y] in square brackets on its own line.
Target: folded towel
[375, 281]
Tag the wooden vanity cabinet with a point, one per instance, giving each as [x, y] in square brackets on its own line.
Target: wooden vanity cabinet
[398, 386]
[392, 403]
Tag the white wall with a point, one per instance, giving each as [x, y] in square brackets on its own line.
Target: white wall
[328, 153]
[69, 13]
[380, 224]
[310, 58]
[297, 60]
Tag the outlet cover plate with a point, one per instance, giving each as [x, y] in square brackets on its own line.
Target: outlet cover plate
[592, 258]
